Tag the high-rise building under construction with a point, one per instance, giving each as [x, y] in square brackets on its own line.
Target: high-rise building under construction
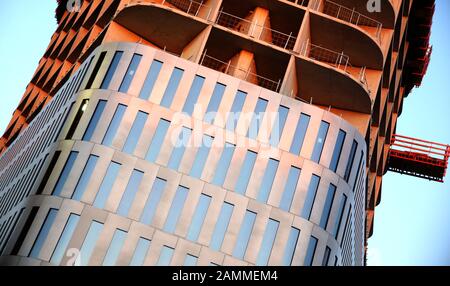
[147, 137]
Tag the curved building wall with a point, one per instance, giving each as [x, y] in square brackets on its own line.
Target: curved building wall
[113, 189]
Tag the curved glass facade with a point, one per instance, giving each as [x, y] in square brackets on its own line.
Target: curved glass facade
[251, 136]
[133, 174]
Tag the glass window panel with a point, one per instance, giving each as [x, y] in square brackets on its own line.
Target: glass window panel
[172, 87]
[291, 246]
[290, 188]
[224, 164]
[176, 209]
[236, 109]
[107, 185]
[150, 80]
[94, 120]
[310, 251]
[193, 95]
[338, 221]
[65, 173]
[64, 239]
[114, 125]
[201, 157]
[245, 172]
[267, 243]
[166, 256]
[310, 197]
[337, 150]
[267, 181]
[140, 253]
[349, 213]
[114, 248]
[135, 132]
[326, 257]
[350, 161]
[23, 233]
[258, 116]
[130, 192]
[199, 217]
[76, 121]
[89, 242]
[300, 133]
[85, 178]
[43, 233]
[48, 172]
[244, 234]
[111, 70]
[320, 141]
[94, 73]
[327, 207]
[214, 103]
[221, 226]
[360, 166]
[190, 260]
[179, 148]
[157, 140]
[132, 68]
[153, 199]
[279, 124]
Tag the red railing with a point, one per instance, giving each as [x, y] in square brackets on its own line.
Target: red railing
[418, 157]
[432, 149]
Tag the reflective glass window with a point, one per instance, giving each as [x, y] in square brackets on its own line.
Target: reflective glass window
[246, 172]
[267, 181]
[131, 71]
[114, 125]
[310, 197]
[135, 132]
[111, 70]
[157, 140]
[150, 80]
[172, 87]
[130, 192]
[107, 185]
[176, 209]
[320, 141]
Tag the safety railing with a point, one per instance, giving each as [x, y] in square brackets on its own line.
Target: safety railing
[338, 60]
[191, 7]
[425, 148]
[245, 74]
[419, 158]
[256, 30]
[303, 3]
[343, 13]
[353, 17]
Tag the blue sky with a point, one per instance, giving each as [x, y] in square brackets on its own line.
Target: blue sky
[412, 224]
[26, 27]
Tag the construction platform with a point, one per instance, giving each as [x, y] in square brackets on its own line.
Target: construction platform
[418, 158]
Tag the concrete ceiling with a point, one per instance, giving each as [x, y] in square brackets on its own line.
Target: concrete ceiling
[386, 15]
[329, 87]
[160, 26]
[341, 37]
